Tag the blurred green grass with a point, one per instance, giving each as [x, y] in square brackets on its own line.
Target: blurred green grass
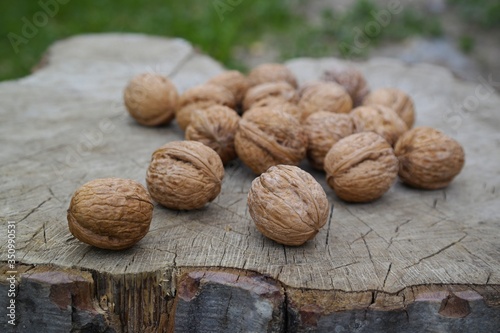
[215, 30]
[216, 27]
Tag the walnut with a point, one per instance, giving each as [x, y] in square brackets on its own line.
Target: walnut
[277, 90]
[184, 175]
[278, 103]
[215, 127]
[268, 137]
[323, 130]
[271, 73]
[379, 119]
[200, 98]
[151, 99]
[110, 213]
[397, 100]
[324, 96]
[428, 159]
[352, 80]
[288, 205]
[234, 81]
[361, 167]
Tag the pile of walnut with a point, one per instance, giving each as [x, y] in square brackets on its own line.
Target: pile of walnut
[362, 140]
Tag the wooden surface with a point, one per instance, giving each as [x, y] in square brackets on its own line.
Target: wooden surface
[66, 124]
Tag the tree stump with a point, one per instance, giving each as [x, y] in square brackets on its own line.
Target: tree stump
[413, 261]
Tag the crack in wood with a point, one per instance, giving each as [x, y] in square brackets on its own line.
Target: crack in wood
[396, 231]
[44, 234]
[387, 275]
[33, 210]
[181, 64]
[53, 195]
[402, 224]
[437, 252]
[366, 224]
[369, 252]
[346, 265]
[87, 251]
[328, 224]
[361, 237]
[130, 263]
[284, 253]
[476, 256]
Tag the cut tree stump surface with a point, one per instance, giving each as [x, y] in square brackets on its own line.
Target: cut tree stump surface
[66, 124]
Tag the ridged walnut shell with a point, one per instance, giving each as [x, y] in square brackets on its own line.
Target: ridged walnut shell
[379, 119]
[395, 99]
[234, 81]
[184, 175]
[276, 90]
[268, 137]
[278, 103]
[215, 127]
[323, 130]
[151, 99]
[324, 96]
[288, 205]
[361, 167]
[271, 73]
[110, 213]
[428, 159]
[200, 98]
[352, 80]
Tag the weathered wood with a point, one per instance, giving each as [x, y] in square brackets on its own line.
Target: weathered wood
[66, 124]
[228, 301]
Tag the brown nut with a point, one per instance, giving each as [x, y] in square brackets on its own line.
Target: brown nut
[324, 96]
[351, 79]
[428, 159]
[379, 119]
[271, 73]
[199, 98]
[277, 90]
[395, 99]
[215, 127]
[361, 167]
[234, 81]
[110, 213]
[184, 175]
[288, 205]
[268, 137]
[323, 130]
[151, 99]
[278, 103]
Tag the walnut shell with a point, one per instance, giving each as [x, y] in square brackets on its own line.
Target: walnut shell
[234, 81]
[268, 137]
[428, 159]
[215, 127]
[324, 96]
[395, 99]
[199, 98]
[361, 167]
[110, 213]
[323, 130]
[352, 80]
[278, 103]
[184, 175]
[151, 99]
[183, 116]
[288, 205]
[278, 90]
[379, 119]
[271, 73]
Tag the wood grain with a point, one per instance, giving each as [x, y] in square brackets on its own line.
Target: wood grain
[66, 124]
